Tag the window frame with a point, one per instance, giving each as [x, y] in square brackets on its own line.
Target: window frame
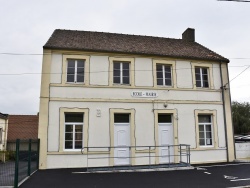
[121, 69]
[74, 131]
[201, 74]
[85, 112]
[204, 124]
[213, 114]
[210, 75]
[65, 69]
[131, 62]
[76, 61]
[173, 73]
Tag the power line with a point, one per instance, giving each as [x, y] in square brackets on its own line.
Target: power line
[243, 1]
[239, 74]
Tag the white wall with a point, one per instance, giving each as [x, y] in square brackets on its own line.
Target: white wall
[242, 150]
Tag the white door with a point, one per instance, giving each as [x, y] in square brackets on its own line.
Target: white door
[166, 139]
[121, 142]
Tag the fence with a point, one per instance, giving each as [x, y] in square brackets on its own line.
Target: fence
[167, 155]
[19, 161]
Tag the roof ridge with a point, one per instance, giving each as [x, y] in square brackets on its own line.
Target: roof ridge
[117, 34]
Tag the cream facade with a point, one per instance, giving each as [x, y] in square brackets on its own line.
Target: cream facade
[101, 100]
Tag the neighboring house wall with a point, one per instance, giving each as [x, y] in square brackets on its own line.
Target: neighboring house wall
[242, 150]
[3, 134]
[99, 99]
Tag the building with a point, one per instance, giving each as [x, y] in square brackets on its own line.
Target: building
[23, 127]
[3, 134]
[132, 95]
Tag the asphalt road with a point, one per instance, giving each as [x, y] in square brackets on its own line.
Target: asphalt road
[220, 175]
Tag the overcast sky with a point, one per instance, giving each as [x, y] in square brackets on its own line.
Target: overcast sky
[26, 25]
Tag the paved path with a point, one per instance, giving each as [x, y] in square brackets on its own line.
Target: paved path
[216, 176]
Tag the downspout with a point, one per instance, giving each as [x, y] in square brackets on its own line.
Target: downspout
[224, 110]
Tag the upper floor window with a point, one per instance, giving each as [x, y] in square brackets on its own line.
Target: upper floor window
[205, 130]
[164, 76]
[201, 77]
[73, 131]
[75, 70]
[121, 72]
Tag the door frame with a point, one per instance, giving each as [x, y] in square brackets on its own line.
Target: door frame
[174, 114]
[132, 132]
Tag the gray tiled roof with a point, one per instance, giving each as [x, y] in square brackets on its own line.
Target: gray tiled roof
[130, 44]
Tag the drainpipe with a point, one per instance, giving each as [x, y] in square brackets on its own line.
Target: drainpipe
[224, 110]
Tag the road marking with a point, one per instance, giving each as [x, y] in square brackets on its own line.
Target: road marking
[230, 177]
[207, 172]
[240, 186]
[200, 168]
[222, 165]
[241, 179]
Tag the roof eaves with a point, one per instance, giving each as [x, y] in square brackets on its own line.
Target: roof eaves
[222, 59]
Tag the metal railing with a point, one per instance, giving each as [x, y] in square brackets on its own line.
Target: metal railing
[176, 155]
[20, 161]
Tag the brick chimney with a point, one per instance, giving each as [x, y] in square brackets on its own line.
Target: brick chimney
[188, 35]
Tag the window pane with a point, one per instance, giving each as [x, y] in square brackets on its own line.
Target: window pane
[204, 70]
[121, 118]
[117, 73]
[205, 84]
[208, 135]
[164, 118]
[117, 80]
[204, 118]
[68, 145]
[80, 70]
[159, 74]
[80, 63]
[197, 70]
[125, 66]
[168, 75]
[71, 63]
[202, 142]
[205, 77]
[198, 83]
[159, 82]
[201, 128]
[71, 70]
[208, 128]
[125, 73]
[201, 135]
[69, 128]
[168, 82]
[125, 80]
[167, 69]
[78, 136]
[159, 68]
[68, 136]
[209, 142]
[78, 144]
[116, 66]
[70, 78]
[74, 117]
[80, 78]
[78, 128]
[197, 76]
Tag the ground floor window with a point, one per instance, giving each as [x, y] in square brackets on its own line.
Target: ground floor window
[73, 131]
[205, 130]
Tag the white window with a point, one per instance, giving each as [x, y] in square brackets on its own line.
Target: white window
[1, 132]
[73, 131]
[164, 76]
[121, 72]
[201, 77]
[75, 70]
[205, 130]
